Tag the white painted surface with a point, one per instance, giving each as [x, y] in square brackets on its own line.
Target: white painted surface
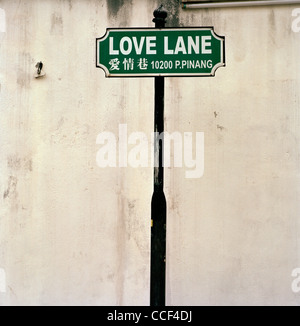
[73, 233]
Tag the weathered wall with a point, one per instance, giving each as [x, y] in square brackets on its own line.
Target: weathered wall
[73, 233]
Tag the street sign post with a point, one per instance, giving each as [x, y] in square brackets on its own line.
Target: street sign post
[146, 52]
[159, 52]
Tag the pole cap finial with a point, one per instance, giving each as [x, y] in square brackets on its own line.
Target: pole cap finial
[160, 16]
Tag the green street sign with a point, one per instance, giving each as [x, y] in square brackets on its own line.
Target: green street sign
[146, 52]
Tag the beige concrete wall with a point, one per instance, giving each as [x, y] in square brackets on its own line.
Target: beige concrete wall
[73, 233]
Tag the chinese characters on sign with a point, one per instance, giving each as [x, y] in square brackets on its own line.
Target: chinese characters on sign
[128, 64]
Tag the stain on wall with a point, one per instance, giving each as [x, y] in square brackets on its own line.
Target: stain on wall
[56, 24]
[11, 190]
[114, 6]
[173, 9]
[15, 162]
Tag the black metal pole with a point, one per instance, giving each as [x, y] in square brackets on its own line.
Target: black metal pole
[158, 202]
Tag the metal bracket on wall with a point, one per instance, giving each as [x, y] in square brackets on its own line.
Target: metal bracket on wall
[188, 4]
[39, 72]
